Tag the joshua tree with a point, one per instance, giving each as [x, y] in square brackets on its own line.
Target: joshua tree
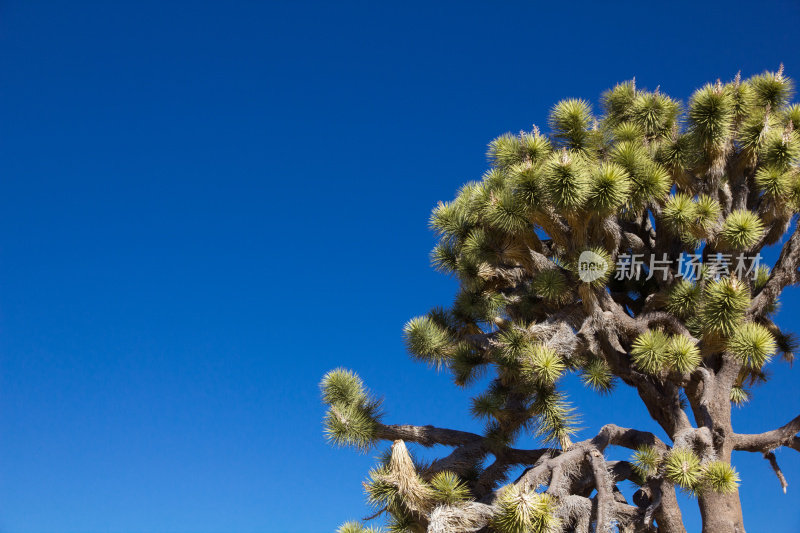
[570, 254]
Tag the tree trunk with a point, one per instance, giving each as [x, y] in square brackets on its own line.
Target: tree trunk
[721, 513]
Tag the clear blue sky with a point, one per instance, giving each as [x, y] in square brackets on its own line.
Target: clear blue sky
[205, 206]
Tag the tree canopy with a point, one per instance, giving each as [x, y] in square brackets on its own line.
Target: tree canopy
[624, 247]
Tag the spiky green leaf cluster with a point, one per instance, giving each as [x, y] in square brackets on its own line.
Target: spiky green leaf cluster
[682, 354]
[541, 365]
[520, 511]
[741, 229]
[448, 488]
[682, 467]
[720, 477]
[353, 414]
[555, 419]
[752, 344]
[649, 351]
[723, 305]
[550, 285]
[596, 375]
[356, 527]
[609, 188]
[645, 461]
[683, 298]
[427, 340]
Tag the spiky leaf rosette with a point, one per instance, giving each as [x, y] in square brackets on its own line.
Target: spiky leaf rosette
[511, 344]
[654, 113]
[609, 188]
[720, 476]
[617, 102]
[683, 298]
[771, 89]
[571, 121]
[541, 365]
[682, 467]
[356, 527]
[773, 182]
[645, 462]
[428, 341]
[711, 117]
[682, 354]
[649, 351]
[707, 210]
[353, 414]
[741, 229]
[566, 180]
[551, 285]
[752, 344]
[780, 149]
[448, 488]
[679, 213]
[597, 376]
[723, 306]
[555, 418]
[521, 511]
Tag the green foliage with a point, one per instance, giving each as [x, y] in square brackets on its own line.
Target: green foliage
[541, 365]
[780, 149]
[677, 154]
[739, 395]
[679, 213]
[720, 477]
[711, 115]
[427, 341]
[356, 527]
[772, 182]
[683, 298]
[448, 488]
[466, 364]
[654, 113]
[742, 229]
[597, 376]
[645, 461]
[353, 415]
[627, 131]
[682, 354]
[618, 101]
[511, 344]
[708, 211]
[761, 277]
[566, 180]
[771, 89]
[571, 121]
[649, 351]
[599, 256]
[791, 116]
[555, 418]
[524, 512]
[507, 213]
[551, 285]
[487, 404]
[683, 468]
[342, 386]
[609, 188]
[752, 344]
[723, 306]
[506, 150]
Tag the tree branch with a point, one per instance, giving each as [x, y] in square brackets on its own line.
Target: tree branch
[769, 440]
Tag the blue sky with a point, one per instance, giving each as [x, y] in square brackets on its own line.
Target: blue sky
[205, 206]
